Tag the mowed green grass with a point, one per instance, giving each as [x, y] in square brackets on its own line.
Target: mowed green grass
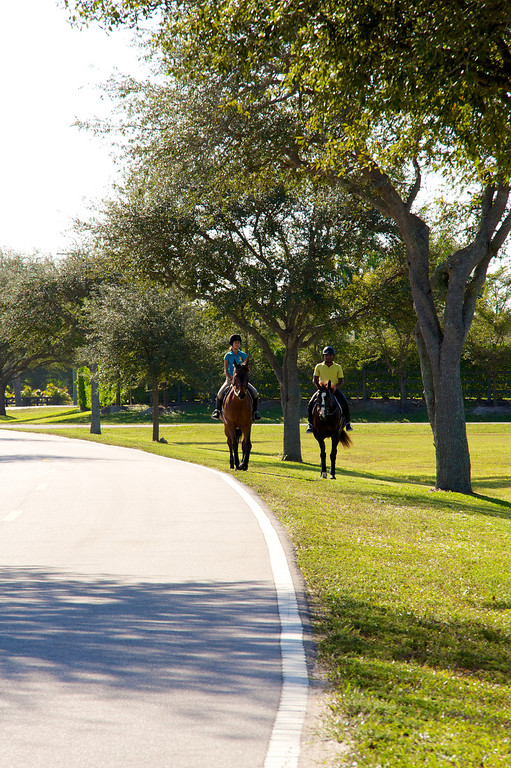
[410, 589]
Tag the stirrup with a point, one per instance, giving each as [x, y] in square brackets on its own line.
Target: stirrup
[309, 428]
[216, 414]
[256, 416]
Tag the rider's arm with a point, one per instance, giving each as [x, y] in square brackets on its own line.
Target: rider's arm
[340, 383]
[315, 381]
[226, 369]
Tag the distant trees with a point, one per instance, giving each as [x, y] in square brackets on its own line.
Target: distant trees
[386, 332]
[137, 332]
[39, 316]
[489, 341]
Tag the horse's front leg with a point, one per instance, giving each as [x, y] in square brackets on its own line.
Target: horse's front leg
[333, 456]
[322, 453]
[245, 447]
[235, 452]
[233, 448]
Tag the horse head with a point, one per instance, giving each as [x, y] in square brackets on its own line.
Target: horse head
[327, 403]
[240, 379]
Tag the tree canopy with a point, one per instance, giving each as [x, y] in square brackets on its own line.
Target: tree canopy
[364, 95]
[138, 332]
[39, 315]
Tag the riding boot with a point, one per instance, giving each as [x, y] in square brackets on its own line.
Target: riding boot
[218, 409]
[255, 413]
[309, 415]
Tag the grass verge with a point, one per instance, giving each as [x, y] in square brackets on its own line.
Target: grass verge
[410, 589]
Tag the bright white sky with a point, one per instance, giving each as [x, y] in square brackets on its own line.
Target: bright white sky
[49, 78]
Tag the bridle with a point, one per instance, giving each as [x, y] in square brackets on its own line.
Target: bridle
[325, 408]
[240, 387]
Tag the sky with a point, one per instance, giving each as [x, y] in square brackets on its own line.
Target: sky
[50, 76]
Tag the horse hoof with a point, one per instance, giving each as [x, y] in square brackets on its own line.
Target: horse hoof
[332, 477]
[323, 475]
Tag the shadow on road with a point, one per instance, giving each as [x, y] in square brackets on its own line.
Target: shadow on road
[139, 636]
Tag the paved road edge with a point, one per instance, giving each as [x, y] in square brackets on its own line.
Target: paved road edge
[284, 747]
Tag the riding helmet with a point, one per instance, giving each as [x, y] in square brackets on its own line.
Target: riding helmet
[235, 337]
[329, 350]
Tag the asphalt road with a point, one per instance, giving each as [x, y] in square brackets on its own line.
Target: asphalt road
[139, 615]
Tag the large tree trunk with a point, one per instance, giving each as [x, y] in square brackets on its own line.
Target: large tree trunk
[156, 410]
[291, 401]
[450, 434]
[444, 399]
[440, 355]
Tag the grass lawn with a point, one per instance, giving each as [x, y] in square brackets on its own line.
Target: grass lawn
[410, 589]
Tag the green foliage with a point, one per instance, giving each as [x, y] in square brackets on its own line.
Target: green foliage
[59, 394]
[373, 74]
[39, 315]
[359, 95]
[83, 388]
[489, 341]
[137, 332]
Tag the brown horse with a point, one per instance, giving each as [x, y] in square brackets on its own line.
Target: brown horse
[237, 416]
[328, 421]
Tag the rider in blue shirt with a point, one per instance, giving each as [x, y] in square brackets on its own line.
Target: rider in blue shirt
[235, 354]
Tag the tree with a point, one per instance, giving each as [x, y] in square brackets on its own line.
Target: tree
[386, 332]
[276, 258]
[39, 314]
[279, 264]
[138, 331]
[379, 89]
[489, 341]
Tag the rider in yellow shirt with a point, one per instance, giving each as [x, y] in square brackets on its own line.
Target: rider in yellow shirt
[330, 371]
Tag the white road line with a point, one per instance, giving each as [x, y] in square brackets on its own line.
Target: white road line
[284, 747]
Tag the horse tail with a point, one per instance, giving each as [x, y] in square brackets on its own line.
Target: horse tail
[345, 439]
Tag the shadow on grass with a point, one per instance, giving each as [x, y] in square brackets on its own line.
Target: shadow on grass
[401, 673]
[356, 628]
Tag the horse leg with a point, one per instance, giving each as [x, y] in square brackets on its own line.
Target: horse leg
[246, 447]
[232, 443]
[333, 456]
[322, 453]
[235, 449]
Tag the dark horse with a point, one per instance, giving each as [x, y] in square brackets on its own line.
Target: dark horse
[237, 416]
[328, 421]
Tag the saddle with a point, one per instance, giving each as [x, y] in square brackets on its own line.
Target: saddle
[249, 394]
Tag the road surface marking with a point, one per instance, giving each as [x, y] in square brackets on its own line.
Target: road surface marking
[284, 747]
